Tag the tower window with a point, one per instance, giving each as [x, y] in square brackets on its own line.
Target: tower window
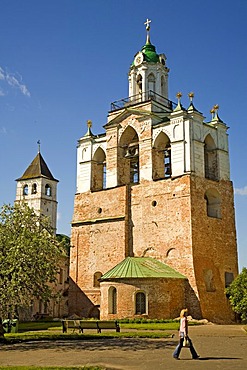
[151, 83]
[210, 159]
[34, 188]
[48, 190]
[140, 303]
[128, 168]
[99, 170]
[228, 279]
[139, 84]
[25, 190]
[162, 86]
[213, 203]
[96, 277]
[161, 154]
[112, 300]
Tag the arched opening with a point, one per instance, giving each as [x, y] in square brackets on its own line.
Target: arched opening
[151, 82]
[112, 300]
[139, 88]
[96, 277]
[210, 158]
[161, 156]
[140, 303]
[99, 170]
[25, 189]
[162, 87]
[128, 169]
[213, 203]
[48, 190]
[34, 188]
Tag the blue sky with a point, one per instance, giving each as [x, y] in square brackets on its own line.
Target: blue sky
[63, 62]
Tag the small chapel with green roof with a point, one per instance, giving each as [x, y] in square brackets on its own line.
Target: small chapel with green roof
[153, 229]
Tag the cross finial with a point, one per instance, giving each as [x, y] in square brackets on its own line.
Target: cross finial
[89, 123]
[38, 142]
[147, 23]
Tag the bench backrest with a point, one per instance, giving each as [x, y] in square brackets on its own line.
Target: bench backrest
[88, 324]
[107, 324]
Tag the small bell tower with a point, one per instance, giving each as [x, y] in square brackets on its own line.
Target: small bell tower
[148, 74]
[38, 188]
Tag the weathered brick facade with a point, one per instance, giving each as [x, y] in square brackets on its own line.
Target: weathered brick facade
[156, 184]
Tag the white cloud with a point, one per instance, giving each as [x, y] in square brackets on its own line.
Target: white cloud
[1, 74]
[241, 191]
[14, 81]
[2, 92]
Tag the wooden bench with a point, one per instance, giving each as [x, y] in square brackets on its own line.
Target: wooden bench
[80, 325]
[108, 325]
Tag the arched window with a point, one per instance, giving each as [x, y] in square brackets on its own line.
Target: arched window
[162, 167]
[213, 203]
[139, 84]
[48, 190]
[210, 158]
[151, 82]
[128, 169]
[140, 303]
[96, 277]
[112, 300]
[163, 86]
[99, 170]
[25, 189]
[34, 188]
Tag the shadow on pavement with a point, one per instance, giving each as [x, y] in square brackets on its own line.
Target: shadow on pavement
[123, 344]
[218, 358]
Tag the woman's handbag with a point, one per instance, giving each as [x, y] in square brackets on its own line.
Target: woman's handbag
[186, 342]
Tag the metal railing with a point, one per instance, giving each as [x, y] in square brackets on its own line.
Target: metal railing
[140, 98]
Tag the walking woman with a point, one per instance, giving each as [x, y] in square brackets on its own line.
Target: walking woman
[183, 334]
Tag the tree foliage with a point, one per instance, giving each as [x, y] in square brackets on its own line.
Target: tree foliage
[237, 293]
[29, 255]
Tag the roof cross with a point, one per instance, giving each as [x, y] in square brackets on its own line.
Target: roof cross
[147, 24]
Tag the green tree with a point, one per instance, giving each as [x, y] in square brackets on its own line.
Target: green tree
[237, 293]
[29, 255]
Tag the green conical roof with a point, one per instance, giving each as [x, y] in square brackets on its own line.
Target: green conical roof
[141, 267]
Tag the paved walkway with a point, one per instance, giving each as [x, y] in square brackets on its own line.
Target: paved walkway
[219, 346]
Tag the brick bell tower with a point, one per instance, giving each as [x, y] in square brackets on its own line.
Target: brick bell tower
[153, 228]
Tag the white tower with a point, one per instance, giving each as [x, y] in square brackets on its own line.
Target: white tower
[38, 188]
[148, 73]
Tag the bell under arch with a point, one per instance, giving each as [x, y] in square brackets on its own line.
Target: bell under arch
[161, 157]
[128, 169]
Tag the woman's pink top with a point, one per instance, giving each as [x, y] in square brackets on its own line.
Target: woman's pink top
[183, 326]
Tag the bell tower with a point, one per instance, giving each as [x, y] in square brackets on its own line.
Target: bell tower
[148, 73]
[38, 188]
[155, 185]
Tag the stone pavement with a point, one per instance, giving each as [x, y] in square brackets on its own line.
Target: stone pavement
[219, 346]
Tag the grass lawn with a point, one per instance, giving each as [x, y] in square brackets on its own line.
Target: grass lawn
[50, 330]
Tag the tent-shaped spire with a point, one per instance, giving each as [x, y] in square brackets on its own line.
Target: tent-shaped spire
[38, 168]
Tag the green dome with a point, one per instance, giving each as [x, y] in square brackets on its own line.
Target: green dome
[150, 54]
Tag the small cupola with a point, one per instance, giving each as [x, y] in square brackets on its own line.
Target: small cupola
[148, 74]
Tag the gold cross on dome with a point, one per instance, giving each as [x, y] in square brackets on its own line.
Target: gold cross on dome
[147, 23]
[89, 123]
